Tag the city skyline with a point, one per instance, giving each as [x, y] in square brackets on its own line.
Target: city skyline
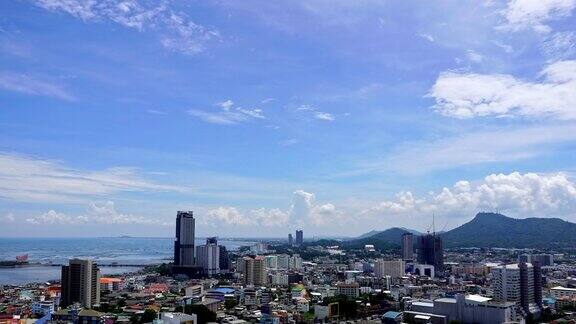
[333, 117]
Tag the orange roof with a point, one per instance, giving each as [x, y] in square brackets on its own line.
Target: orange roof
[106, 280]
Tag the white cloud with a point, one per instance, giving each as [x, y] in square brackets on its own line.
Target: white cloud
[25, 178]
[52, 217]
[176, 31]
[103, 213]
[427, 37]
[534, 14]
[471, 148]
[226, 105]
[514, 194]
[559, 46]
[324, 116]
[467, 95]
[8, 218]
[303, 210]
[474, 57]
[320, 115]
[29, 85]
[229, 114]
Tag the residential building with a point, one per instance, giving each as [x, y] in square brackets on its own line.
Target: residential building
[208, 256]
[80, 283]
[392, 268]
[299, 237]
[350, 290]
[408, 246]
[254, 271]
[520, 283]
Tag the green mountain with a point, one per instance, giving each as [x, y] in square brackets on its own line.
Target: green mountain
[497, 230]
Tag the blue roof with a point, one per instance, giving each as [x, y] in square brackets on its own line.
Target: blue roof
[391, 314]
[223, 290]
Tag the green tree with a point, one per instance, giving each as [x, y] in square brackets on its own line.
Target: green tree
[203, 314]
[148, 316]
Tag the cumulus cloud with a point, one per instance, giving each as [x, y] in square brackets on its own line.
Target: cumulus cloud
[25, 178]
[534, 14]
[176, 31]
[229, 114]
[7, 218]
[468, 95]
[27, 84]
[516, 194]
[103, 213]
[303, 210]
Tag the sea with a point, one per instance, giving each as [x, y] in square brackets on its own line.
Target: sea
[115, 255]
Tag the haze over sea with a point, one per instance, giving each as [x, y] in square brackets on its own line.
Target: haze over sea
[135, 251]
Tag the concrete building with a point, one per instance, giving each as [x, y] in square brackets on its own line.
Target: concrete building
[208, 256]
[545, 260]
[80, 283]
[283, 261]
[431, 251]
[424, 270]
[408, 247]
[271, 261]
[254, 271]
[290, 239]
[462, 309]
[299, 237]
[184, 241]
[350, 290]
[394, 268]
[178, 318]
[560, 292]
[111, 284]
[519, 283]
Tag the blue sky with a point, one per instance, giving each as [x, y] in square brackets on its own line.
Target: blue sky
[263, 116]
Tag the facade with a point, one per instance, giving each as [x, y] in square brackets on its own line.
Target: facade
[350, 290]
[545, 260]
[208, 256]
[430, 251]
[299, 237]
[254, 271]
[462, 309]
[408, 246]
[519, 283]
[394, 269]
[111, 284]
[184, 241]
[424, 270]
[290, 239]
[224, 259]
[561, 292]
[80, 283]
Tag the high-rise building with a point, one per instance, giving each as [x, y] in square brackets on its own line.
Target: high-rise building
[520, 283]
[393, 268]
[430, 251]
[80, 283]
[408, 246]
[254, 271]
[184, 241]
[299, 237]
[224, 259]
[208, 256]
[290, 239]
[545, 260]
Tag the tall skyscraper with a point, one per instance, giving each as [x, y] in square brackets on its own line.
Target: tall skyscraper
[254, 270]
[407, 246]
[299, 237]
[430, 251]
[290, 239]
[80, 283]
[208, 256]
[184, 241]
[224, 259]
